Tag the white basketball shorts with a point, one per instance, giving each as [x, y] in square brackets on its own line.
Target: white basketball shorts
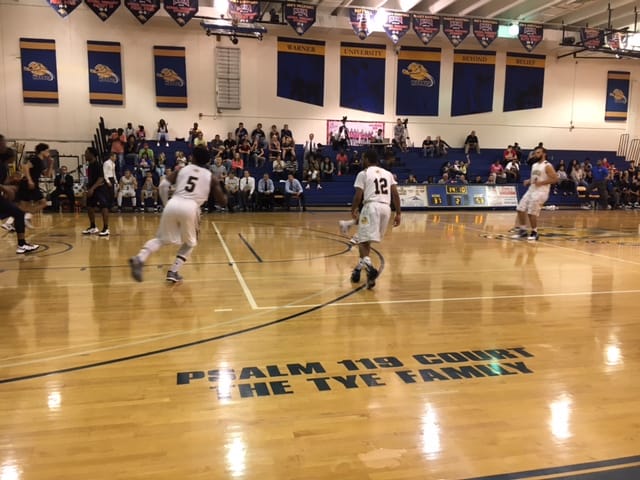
[374, 219]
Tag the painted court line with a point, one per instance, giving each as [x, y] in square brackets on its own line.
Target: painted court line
[236, 270]
[467, 299]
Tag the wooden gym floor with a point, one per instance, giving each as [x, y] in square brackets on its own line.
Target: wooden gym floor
[475, 356]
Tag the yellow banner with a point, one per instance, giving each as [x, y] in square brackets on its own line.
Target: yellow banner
[476, 58]
[104, 48]
[38, 46]
[619, 76]
[525, 62]
[362, 52]
[169, 53]
[419, 56]
[302, 48]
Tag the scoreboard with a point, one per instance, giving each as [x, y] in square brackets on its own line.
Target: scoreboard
[458, 196]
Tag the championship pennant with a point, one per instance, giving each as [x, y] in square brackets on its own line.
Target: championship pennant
[485, 31]
[301, 70]
[244, 11]
[39, 70]
[418, 81]
[360, 19]
[617, 105]
[143, 10]
[456, 29]
[300, 17]
[473, 81]
[181, 10]
[171, 77]
[105, 73]
[426, 26]
[592, 38]
[103, 8]
[396, 25]
[64, 7]
[524, 81]
[530, 35]
[362, 76]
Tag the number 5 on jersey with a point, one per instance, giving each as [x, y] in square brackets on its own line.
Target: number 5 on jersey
[191, 184]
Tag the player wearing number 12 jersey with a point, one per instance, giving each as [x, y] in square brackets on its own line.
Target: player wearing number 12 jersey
[375, 189]
[180, 218]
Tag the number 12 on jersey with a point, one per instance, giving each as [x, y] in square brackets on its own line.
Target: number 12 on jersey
[381, 186]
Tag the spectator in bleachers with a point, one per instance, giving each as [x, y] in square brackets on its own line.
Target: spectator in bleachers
[574, 163]
[275, 149]
[461, 179]
[163, 132]
[497, 168]
[444, 179]
[244, 149]
[291, 166]
[293, 189]
[412, 180]
[565, 184]
[328, 169]
[257, 154]
[141, 135]
[129, 131]
[491, 180]
[63, 183]
[578, 175]
[600, 177]
[518, 150]
[633, 193]
[147, 152]
[266, 189]
[118, 141]
[131, 152]
[278, 169]
[216, 145]
[378, 137]
[310, 151]
[237, 164]
[512, 170]
[428, 147]
[274, 131]
[180, 158]
[286, 132]
[355, 165]
[288, 148]
[258, 136]
[400, 135]
[232, 187]
[343, 162]
[247, 189]
[218, 170]
[313, 174]
[230, 144]
[441, 147]
[509, 155]
[199, 141]
[193, 134]
[241, 133]
[472, 143]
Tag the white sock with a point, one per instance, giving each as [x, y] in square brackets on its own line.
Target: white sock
[181, 257]
[367, 261]
[28, 216]
[9, 221]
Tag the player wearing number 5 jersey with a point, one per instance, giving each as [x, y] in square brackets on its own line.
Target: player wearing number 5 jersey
[180, 218]
[375, 189]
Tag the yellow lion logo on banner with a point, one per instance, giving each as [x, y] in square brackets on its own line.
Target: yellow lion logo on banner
[171, 78]
[39, 71]
[618, 96]
[105, 74]
[419, 73]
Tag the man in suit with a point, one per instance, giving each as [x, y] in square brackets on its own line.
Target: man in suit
[63, 186]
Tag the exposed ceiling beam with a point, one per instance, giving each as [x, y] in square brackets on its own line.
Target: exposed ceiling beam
[499, 11]
[582, 15]
[473, 7]
[543, 6]
[440, 5]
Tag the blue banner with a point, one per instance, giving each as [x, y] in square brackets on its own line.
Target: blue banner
[524, 81]
[105, 73]
[485, 31]
[592, 38]
[244, 11]
[300, 17]
[39, 70]
[473, 78]
[64, 7]
[171, 77]
[617, 105]
[143, 10]
[361, 19]
[456, 29]
[418, 81]
[426, 26]
[530, 35]
[396, 25]
[181, 10]
[301, 70]
[103, 8]
[362, 75]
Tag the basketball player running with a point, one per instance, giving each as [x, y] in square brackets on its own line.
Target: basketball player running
[9, 209]
[179, 221]
[376, 189]
[98, 195]
[543, 175]
[29, 196]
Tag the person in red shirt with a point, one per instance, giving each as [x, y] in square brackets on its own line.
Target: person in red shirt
[118, 142]
[343, 162]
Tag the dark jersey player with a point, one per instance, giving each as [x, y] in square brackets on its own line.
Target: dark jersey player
[9, 209]
[98, 196]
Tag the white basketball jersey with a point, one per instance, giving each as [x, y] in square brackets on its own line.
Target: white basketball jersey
[376, 183]
[127, 183]
[538, 171]
[193, 183]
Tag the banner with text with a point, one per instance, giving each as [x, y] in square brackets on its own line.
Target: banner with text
[617, 104]
[362, 75]
[530, 35]
[105, 73]
[181, 10]
[171, 77]
[456, 29]
[143, 10]
[64, 7]
[360, 133]
[396, 25]
[103, 8]
[426, 26]
[39, 70]
[524, 81]
[592, 38]
[244, 11]
[473, 78]
[301, 70]
[300, 17]
[360, 19]
[485, 31]
[418, 84]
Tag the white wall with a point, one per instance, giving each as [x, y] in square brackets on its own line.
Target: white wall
[574, 90]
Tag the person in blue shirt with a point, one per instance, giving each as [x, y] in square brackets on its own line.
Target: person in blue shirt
[293, 189]
[265, 192]
[600, 176]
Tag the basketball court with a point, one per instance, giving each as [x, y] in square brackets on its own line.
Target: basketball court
[475, 356]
